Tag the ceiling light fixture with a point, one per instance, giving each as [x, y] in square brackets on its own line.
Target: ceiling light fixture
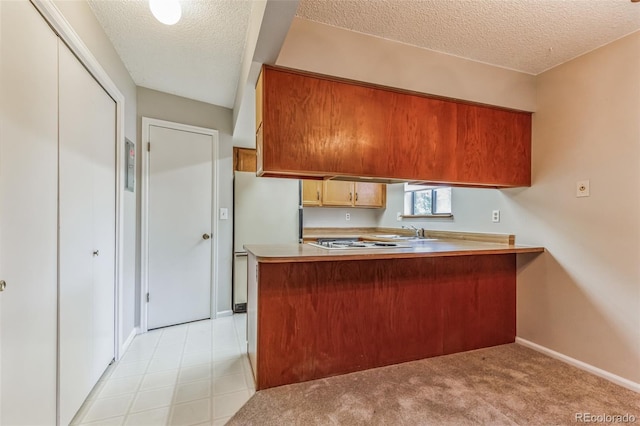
[166, 11]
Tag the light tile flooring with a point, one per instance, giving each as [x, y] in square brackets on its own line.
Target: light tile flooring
[191, 374]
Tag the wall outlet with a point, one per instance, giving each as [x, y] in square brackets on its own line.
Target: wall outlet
[224, 213]
[495, 216]
[582, 188]
[347, 216]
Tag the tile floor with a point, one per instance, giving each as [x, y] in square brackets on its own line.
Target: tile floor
[191, 374]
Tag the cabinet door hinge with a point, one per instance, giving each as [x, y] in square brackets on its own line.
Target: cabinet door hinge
[148, 146]
[147, 297]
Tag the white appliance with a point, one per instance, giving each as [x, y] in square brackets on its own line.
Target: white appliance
[265, 211]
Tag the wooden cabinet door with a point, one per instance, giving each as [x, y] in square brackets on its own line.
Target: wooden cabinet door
[370, 194]
[244, 160]
[316, 125]
[493, 146]
[311, 192]
[337, 193]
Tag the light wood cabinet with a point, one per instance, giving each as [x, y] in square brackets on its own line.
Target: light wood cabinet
[336, 193]
[312, 125]
[244, 159]
[331, 193]
[370, 194]
[311, 193]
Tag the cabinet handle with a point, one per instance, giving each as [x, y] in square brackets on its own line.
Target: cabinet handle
[318, 195]
[96, 253]
[3, 285]
[356, 196]
[350, 196]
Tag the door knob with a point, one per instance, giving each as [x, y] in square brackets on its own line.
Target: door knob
[206, 236]
[3, 285]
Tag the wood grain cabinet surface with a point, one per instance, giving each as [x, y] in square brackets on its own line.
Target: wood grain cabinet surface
[244, 159]
[311, 193]
[370, 195]
[330, 193]
[309, 320]
[318, 126]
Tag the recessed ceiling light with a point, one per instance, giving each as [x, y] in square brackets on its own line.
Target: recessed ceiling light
[166, 11]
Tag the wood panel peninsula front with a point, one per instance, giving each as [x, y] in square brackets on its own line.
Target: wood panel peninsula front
[315, 313]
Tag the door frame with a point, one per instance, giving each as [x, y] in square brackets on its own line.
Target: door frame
[144, 219]
[67, 34]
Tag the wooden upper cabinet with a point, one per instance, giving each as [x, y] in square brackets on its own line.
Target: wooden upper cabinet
[311, 192]
[317, 126]
[494, 145]
[337, 193]
[259, 102]
[370, 194]
[244, 159]
[331, 193]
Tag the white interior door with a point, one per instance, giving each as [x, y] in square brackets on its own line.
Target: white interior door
[87, 125]
[179, 226]
[28, 216]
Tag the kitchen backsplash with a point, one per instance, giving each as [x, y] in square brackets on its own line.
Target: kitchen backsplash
[322, 217]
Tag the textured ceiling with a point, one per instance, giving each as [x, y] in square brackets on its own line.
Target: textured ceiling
[525, 35]
[197, 58]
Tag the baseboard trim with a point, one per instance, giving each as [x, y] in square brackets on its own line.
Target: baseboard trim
[224, 313]
[127, 343]
[625, 383]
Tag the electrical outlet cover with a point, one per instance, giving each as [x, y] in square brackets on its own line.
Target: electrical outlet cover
[582, 188]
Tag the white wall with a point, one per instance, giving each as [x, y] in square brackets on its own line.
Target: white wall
[85, 24]
[335, 217]
[163, 106]
[582, 298]
[471, 208]
[324, 49]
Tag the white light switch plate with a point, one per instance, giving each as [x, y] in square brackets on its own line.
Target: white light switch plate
[582, 188]
[224, 213]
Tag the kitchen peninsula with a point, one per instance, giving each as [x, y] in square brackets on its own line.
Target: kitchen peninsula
[315, 313]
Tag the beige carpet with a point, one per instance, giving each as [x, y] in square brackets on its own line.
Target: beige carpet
[503, 385]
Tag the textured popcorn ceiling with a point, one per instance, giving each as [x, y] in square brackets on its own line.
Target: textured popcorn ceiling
[525, 35]
[198, 58]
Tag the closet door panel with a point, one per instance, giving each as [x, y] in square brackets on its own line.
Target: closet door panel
[104, 226]
[87, 232]
[28, 215]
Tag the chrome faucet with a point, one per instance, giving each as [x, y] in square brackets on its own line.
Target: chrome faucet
[418, 230]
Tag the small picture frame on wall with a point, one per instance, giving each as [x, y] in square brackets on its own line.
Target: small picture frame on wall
[130, 166]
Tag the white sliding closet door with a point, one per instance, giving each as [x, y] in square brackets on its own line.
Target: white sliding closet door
[28, 215]
[87, 126]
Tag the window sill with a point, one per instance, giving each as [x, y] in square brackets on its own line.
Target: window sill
[427, 216]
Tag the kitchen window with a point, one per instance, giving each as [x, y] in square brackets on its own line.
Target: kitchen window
[427, 201]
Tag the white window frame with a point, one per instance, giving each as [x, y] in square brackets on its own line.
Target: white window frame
[408, 206]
